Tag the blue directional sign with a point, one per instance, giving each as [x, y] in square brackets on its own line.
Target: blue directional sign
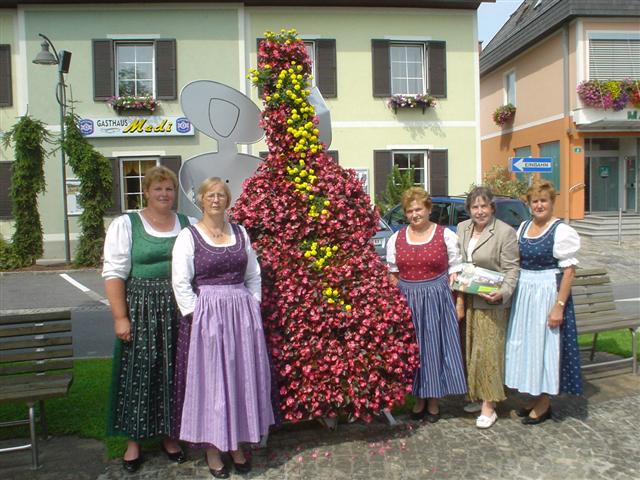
[531, 164]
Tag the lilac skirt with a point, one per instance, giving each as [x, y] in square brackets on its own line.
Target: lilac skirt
[227, 393]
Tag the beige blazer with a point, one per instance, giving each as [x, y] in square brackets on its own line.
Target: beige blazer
[497, 249]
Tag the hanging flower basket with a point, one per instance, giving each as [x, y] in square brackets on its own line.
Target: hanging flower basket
[411, 101]
[129, 103]
[504, 114]
[610, 94]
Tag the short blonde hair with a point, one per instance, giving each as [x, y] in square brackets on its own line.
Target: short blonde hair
[206, 185]
[158, 173]
[417, 194]
[541, 186]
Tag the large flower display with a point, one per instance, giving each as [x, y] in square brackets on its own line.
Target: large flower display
[340, 335]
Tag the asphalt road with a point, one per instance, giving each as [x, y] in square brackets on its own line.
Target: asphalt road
[83, 292]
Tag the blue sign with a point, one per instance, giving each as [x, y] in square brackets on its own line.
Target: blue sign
[531, 164]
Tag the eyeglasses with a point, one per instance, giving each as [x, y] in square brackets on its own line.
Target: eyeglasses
[211, 196]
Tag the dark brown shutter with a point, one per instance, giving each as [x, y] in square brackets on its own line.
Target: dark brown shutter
[6, 99]
[103, 76]
[173, 163]
[334, 154]
[263, 155]
[381, 62]
[326, 81]
[382, 160]
[437, 65]
[116, 205]
[438, 172]
[258, 40]
[166, 71]
[5, 186]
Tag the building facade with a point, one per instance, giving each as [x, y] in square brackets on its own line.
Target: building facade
[362, 56]
[544, 60]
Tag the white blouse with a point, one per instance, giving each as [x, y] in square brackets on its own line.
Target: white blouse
[566, 243]
[117, 244]
[183, 269]
[450, 240]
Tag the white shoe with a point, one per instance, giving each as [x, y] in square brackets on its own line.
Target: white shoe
[473, 407]
[486, 422]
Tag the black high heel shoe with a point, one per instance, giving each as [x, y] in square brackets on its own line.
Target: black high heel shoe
[242, 467]
[178, 457]
[132, 466]
[535, 421]
[222, 472]
[523, 412]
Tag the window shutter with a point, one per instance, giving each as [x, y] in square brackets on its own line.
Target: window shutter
[381, 68]
[614, 59]
[381, 171]
[166, 72]
[326, 67]
[5, 185]
[263, 155]
[116, 205]
[334, 154]
[173, 163]
[103, 76]
[258, 40]
[6, 99]
[437, 69]
[438, 172]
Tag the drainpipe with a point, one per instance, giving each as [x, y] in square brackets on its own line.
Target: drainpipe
[567, 119]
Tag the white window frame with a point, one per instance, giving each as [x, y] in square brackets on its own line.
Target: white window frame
[425, 163]
[507, 76]
[312, 56]
[119, 43]
[123, 179]
[425, 67]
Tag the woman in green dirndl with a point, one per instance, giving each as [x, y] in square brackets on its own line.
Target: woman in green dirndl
[137, 273]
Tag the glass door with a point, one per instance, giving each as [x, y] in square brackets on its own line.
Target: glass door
[630, 184]
[603, 183]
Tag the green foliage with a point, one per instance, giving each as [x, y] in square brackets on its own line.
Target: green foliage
[499, 181]
[94, 172]
[397, 183]
[27, 182]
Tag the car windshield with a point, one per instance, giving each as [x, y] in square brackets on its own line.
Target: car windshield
[513, 213]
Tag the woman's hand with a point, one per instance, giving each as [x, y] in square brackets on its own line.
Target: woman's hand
[122, 327]
[393, 279]
[556, 316]
[460, 313]
[493, 297]
[452, 278]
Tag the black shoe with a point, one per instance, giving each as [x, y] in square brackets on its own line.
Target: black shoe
[178, 457]
[419, 415]
[242, 467]
[523, 412]
[222, 472]
[132, 466]
[433, 417]
[535, 421]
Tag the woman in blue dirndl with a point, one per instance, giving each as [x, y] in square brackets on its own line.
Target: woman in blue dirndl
[542, 356]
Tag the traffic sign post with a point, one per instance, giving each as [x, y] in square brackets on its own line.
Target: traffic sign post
[531, 164]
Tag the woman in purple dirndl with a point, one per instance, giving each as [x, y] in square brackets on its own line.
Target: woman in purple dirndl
[222, 367]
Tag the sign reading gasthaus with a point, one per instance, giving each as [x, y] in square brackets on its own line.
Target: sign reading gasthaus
[142, 126]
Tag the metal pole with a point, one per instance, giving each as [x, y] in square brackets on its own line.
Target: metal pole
[619, 226]
[61, 101]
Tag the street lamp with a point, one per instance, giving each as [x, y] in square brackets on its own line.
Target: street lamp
[63, 59]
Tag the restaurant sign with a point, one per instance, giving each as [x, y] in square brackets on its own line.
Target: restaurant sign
[135, 126]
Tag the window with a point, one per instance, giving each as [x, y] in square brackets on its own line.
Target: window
[510, 88]
[5, 76]
[134, 68]
[5, 187]
[133, 171]
[522, 152]
[311, 51]
[407, 160]
[409, 68]
[614, 59]
[552, 149]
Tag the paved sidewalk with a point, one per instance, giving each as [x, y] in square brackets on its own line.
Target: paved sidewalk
[622, 261]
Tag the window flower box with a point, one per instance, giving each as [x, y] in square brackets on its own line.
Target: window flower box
[504, 114]
[411, 101]
[610, 94]
[133, 104]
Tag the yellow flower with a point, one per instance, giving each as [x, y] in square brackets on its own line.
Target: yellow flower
[330, 300]
[324, 211]
[297, 180]
[303, 173]
[298, 68]
[312, 171]
[335, 292]
[307, 254]
[301, 163]
[327, 203]
[311, 197]
[267, 66]
[276, 95]
[347, 308]
[334, 248]
[268, 98]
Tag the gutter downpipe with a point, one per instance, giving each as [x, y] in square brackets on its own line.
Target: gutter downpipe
[567, 118]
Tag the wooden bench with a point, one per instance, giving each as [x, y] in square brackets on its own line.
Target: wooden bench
[596, 312]
[35, 365]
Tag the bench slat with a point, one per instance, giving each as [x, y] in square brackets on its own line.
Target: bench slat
[34, 380]
[21, 357]
[595, 307]
[579, 290]
[36, 343]
[590, 281]
[39, 366]
[586, 272]
[34, 395]
[39, 317]
[54, 327]
[590, 299]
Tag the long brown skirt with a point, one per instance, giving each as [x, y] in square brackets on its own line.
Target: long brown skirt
[486, 332]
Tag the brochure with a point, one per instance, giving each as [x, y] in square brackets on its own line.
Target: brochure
[476, 280]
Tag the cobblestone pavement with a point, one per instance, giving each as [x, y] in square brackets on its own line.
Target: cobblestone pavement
[622, 261]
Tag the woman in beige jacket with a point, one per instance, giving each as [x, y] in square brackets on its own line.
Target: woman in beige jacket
[489, 243]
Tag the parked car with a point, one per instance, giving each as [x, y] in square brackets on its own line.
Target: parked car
[380, 239]
[450, 211]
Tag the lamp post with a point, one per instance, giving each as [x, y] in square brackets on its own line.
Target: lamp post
[63, 59]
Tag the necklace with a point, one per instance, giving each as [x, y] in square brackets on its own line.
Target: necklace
[215, 235]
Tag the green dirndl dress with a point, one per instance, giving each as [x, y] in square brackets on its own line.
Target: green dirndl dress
[142, 377]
